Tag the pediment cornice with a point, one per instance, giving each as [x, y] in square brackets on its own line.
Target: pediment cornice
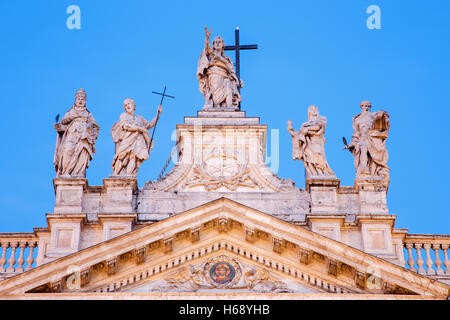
[225, 226]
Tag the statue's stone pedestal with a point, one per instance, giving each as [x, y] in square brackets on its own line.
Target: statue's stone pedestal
[119, 194]
[323, 193]
[221, 113]
[372, 195]
[69, 194]
[221, 117]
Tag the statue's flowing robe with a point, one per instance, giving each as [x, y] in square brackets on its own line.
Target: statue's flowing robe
[75, 142]
[375, 142]
[217, 80]
[130, 141]
[297, 141]
[312, 145]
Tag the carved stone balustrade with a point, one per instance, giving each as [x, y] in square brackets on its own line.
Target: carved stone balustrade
[428, 254]
[17, 253]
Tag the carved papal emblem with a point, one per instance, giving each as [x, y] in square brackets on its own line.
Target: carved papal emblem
[222, 169]
[222, 272]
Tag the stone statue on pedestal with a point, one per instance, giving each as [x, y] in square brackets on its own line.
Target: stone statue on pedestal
[218, 81]
[308, 145]
[368, 144]
[77, 133]
[132, 139]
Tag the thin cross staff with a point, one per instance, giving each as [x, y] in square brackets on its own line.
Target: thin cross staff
[162, 99]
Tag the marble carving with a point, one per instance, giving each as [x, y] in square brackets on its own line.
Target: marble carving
[132, 139]
[221, 272]
[218, 81]
[308, 144]
[368, 144]
[75, 142]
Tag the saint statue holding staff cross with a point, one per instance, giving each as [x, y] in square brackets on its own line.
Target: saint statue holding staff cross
[132, 139]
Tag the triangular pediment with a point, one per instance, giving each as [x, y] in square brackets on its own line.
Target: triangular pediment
[182, 253]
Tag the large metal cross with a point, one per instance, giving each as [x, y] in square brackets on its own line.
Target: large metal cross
[237, 47]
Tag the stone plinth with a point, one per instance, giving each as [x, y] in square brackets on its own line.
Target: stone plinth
[323, 194]
[119, 194]
[376, 234]
[372, 195]
[222, 114]
[69, 194]
[65, 231]
[212, 118]
[116, 224]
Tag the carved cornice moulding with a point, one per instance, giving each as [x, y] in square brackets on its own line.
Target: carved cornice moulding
[204, 216]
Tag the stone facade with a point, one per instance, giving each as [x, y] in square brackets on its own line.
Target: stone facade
[220, 224]
[221, 154]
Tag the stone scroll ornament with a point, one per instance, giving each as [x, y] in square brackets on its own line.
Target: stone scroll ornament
[132, 138]
[308, 145]
[368, 144]
[217, 80]
[75, 144]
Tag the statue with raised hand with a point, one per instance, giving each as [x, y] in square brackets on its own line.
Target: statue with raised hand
[217, 79]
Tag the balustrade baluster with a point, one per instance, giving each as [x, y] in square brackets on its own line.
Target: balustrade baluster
[418, 247]
[12, 258]
[437, 261]
[5, 246]
[21, 260]
[446, 260]
[30, 258]
[429, 261]
[409, 246]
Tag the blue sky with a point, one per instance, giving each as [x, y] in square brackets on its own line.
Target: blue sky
[310, 52]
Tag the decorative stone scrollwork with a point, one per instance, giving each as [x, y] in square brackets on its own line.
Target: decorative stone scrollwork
[111, 266]
[168, 245]
[182, 235]
[305, 256]
[260, 280]
[388, 288]
[277, 245]
[85, 276]
[360, 279]
[185, 279]
[318, 257]
[56, 286]
[250, 235]
[221, 272]
[346, 269]
[140, 255]
[332, 268]
[221, 169]
[154, 245]
[195, 234]
[223, 225]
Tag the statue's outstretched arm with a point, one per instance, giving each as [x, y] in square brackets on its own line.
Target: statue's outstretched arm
[208, 34]
[152, 123]
[290, 129]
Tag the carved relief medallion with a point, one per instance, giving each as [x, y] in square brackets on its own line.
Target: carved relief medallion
[222, 272]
